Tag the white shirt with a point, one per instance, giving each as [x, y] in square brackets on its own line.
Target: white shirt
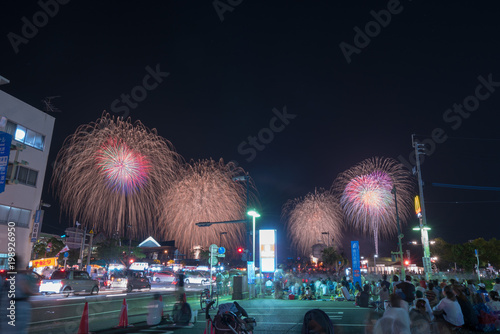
[453, 311]
[154, 314]
[387, 325]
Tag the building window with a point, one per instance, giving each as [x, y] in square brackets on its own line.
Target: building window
[19, 216]
[25, 176]
[25, 136]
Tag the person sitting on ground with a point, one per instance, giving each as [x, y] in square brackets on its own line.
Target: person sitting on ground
[385, 282]
[483, 293]
[449, 309]
[496, 287]
[395, 320]
[155, 311]
[420, 296]
[431, 295]
[419, 318]
[470, 317]
[363, 298]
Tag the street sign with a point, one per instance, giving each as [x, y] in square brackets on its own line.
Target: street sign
[214, 261]
[5, 142]
[66, 254]
[213, 248]
[221, 255]
[221, 250]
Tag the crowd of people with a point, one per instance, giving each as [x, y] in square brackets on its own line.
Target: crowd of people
[409, 305]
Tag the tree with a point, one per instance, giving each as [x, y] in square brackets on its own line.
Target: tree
[110, 251]
[330, 257]
[463, 255]
[442, 250]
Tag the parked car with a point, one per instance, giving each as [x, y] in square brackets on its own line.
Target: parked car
[196, 277]
[163, 276]
[129, 280]
[67, 282]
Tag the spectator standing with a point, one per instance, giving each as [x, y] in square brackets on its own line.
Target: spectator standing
[408, 289]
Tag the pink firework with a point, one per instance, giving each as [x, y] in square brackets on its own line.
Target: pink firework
[124, 169]
[366, 199]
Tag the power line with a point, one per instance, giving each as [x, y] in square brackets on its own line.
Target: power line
[463, 138]
[459, 186]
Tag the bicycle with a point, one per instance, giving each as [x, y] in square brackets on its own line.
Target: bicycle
[207, 299]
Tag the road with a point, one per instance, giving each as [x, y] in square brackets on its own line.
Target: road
[56, 314]
[286, 316]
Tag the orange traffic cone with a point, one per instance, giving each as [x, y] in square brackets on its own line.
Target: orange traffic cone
[161, 300]
[84, 323]
[123, 315]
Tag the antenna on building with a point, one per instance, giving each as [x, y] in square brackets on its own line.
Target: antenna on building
[49, 107]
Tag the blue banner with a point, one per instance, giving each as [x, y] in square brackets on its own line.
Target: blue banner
[5, 141]
[356, 272]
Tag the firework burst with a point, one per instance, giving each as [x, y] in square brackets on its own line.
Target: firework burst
[205, 192]
[110, 173]
[366, 198]
[308, 217]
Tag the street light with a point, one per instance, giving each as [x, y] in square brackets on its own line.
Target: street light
[254, 215]
[246, 179]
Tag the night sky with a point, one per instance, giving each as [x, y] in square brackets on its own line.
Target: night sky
[229, 68]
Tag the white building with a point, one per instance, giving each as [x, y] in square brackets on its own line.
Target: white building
[31, 131]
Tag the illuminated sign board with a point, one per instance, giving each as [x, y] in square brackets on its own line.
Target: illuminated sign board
[47, 262]
[139, 266]
[267, 252]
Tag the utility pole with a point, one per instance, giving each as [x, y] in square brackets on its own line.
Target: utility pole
[90, 247]
[84, 235]
[420, 149]
[400, 235]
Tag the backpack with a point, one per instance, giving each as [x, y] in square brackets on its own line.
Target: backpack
[317, 321]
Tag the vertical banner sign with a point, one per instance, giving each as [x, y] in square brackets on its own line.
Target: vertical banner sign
[36, 226]
[5, 141]
[267, 252]
[356, 273]
[251, 272]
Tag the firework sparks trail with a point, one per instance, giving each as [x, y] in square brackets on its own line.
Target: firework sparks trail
[205, 192]
[110, 173]
[308, 217]
[366, 198]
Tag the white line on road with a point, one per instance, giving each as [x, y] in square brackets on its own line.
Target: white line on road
[117, 295]
[295, 323]
[71, 298]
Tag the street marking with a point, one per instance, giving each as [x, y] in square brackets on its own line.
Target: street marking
[117, 295]
[71, 298]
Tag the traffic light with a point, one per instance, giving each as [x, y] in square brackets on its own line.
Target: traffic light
[240, 250]
[244, 255]
[407, 262]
